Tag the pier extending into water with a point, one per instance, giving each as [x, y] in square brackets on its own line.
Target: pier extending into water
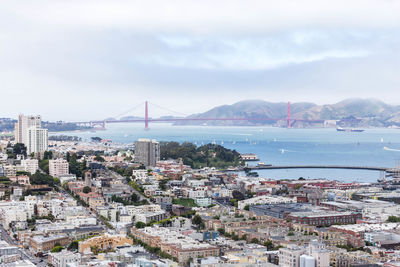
[277, 167]
[394, 172]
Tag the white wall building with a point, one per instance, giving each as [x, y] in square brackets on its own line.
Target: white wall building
[148, 217]
[37, 140]
[81, 220]
[290, 256]
[196, 193]
[265, 200]
[10, 170]
[58, 167]
[30, 165]
[22, 126]
[62, 258]
[321, 255]
[307, 261]
[13, 212]
[203, 201]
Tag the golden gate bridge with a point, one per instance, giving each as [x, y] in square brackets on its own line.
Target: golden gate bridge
[147, 119]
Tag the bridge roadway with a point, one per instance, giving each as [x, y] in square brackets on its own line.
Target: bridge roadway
[277, 167]
[194, 119]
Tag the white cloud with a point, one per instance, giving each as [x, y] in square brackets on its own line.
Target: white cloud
[207, 16]
[118, 53]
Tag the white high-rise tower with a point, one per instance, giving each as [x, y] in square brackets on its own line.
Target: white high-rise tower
[29, 131]
[22, 126]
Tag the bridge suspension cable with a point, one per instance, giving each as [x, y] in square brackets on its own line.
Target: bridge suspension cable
[170, 110]
[129, 110]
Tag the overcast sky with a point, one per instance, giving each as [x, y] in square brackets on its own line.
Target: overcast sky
[83, 59]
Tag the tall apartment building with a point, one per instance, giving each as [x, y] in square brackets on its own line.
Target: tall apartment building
[58, 167]
[147, 152]
[29, 131]
[37, 140]
[22, 126]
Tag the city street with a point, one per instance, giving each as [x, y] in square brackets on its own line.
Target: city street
[25, 254]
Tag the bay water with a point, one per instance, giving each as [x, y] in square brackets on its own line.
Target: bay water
[280, 146]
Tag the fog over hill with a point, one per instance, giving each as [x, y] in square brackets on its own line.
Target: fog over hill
[371, 112]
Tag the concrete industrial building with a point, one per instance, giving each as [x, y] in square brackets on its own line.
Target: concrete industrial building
[147, 152]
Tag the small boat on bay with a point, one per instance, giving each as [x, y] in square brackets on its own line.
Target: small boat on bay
[340, 129]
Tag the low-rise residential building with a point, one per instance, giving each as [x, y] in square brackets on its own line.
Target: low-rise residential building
[324, 218]
[64, 258]
[104, 242]
[174, 243]
[290, 256]
[265, 200]
[148, 217]
[20, 179]
[66, 178]
[30, 165]
[203, 201]
[9, 170]
[8, 253]
[46, 243]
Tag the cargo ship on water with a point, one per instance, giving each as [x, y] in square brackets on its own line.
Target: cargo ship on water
[340, 129]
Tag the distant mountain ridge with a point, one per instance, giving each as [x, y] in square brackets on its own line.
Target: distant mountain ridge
[369, 112]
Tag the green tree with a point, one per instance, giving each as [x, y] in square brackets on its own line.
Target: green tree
[74, 245]
[39, 178]
[269, 244]
[134, 197]
[237, 195]
[48, 155]
[96, 139]
[99, 158]
[44, 165]
[87, 189]
[57, 249]
[197, 220]
[19, 149]
[75, 167]
[247, 207]
[255, 241]
[139, 225]
[393, 219]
